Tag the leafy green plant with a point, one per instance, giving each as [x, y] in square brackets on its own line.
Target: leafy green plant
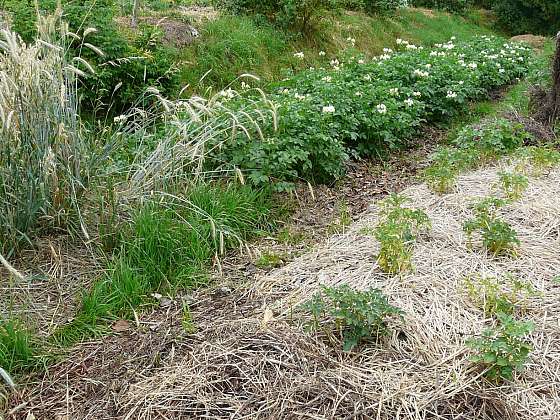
[494, 295]
[356, 315]
[513, 184]
[498, 237]
[396, 233]
[543, 158]
[447, 163]
[504, 348]
[528, 16]
[493, 139]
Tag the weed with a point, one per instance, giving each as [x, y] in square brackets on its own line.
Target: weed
[498, 236]
[343, 220]
[504, 348]
[290, 237]
[17, 347]
[270, 260]
[543, 158]
[355, 315]
[447, 163]
[513, 184]
[396, 233]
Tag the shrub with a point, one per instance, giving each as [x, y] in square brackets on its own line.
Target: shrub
[396, 233]
[498, 237]
[375, 6]
[129, 67]
[456, 6]
[292, 14]
[355, 315]
[504, 348]
[528, 16]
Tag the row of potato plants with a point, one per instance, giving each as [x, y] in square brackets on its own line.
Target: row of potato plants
[357, 107]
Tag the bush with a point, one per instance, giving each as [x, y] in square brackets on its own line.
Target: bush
[133, 66]
[291, 14]
[457, 6]
[375, 6]
[528, 16]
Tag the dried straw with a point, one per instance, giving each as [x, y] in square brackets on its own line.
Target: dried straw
[260, 364]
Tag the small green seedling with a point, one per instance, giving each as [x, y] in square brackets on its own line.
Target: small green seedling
[503, 349]
[397, 232]
[270, 260]
[355, 315]
[498, 237]
[513, 184]
[494, 295]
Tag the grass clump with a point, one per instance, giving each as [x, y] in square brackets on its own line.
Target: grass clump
[503, 349]
[168, 247]
[17, 348]
[356, 316]
[396, 233]
[498, 237]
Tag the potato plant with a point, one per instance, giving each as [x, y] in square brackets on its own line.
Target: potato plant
[396, 233]
[356, 315]
[498, 237]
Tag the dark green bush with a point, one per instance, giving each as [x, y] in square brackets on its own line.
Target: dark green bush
[292, 14]
[528, 16]
[449, 5]
[132, 65]
[375, 6]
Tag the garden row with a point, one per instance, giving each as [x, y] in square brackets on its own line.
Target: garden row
[353, 107]
[361, 316]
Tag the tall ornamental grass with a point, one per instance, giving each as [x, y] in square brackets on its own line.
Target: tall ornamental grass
[44, 158]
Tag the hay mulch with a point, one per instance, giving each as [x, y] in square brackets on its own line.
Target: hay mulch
[255, 361]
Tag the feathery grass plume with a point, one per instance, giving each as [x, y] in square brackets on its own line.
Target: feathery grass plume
[44, 156]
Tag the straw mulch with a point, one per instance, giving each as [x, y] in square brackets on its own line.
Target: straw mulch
[257, 362]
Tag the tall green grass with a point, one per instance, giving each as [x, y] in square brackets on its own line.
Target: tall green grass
[168, 246]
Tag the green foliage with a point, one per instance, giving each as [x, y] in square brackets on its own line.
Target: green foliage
[17, 350]
[126, 66]
[495, 295]
[504, 348]
[543, 158]
[493, 139]
[396, 233]
[292, 14]
[375, 6]
[358, 107]
[447, 163]
[357, 316]
[498, 237]
[528, 16]
[513, 184]
[270, 260]
[167, 247]
[456, 6]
